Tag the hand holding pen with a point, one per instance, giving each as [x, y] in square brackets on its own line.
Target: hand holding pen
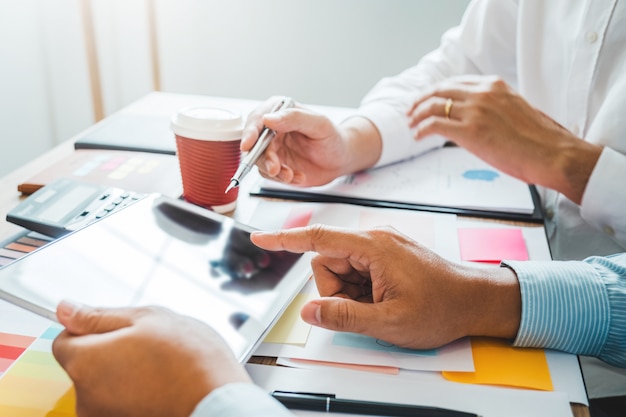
[257, 150]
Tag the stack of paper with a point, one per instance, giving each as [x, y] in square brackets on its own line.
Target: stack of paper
[481, 375]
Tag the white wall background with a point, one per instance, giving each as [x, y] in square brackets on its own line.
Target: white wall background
[318, 51]
[43, 78]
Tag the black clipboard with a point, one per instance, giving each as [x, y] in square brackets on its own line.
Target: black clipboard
[535, 217]
[130, 132]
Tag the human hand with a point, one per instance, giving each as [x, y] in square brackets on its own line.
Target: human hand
[141, 361]
[308, 149]
[382, 284]
[495, 123]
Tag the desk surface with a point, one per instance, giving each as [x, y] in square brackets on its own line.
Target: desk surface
[153, 103]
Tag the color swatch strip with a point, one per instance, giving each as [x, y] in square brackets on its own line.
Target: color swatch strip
[20, 245]
[11, 347]
[33, 384]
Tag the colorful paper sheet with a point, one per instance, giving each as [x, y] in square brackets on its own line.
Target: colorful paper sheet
[496, 362]
[290, 328]
[311, 364]
[298, 217]
[360, 341]
[35, 371]
[492, 245]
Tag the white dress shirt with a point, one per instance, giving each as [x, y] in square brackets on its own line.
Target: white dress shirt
[567, 58]
[240, 400]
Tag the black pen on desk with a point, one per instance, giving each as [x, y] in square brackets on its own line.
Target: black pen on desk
[328, 403]
[257, 150]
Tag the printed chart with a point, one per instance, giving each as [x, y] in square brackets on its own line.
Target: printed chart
[448, 177]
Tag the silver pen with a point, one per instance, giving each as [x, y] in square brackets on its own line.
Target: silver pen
[257, 150]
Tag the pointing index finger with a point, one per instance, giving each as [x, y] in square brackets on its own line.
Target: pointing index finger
[325, 240]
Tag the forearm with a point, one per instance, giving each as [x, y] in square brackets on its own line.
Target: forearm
[572, 165]
[363, 142]
[493, 302]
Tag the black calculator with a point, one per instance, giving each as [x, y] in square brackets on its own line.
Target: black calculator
[66, 205]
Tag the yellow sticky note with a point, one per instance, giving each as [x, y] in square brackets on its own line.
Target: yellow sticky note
[290, 328]
[496, 362]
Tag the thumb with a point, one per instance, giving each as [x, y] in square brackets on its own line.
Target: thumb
[81, 320]
[341, 314]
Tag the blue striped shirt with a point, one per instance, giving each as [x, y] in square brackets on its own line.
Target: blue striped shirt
[576, 307]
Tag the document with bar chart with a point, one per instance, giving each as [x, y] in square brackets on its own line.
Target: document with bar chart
[448, 179]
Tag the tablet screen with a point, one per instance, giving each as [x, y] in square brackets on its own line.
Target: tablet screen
[162, 251]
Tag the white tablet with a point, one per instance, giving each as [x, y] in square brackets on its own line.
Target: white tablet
[163, 251]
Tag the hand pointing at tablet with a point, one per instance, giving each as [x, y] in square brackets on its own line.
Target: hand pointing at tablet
[382, 284]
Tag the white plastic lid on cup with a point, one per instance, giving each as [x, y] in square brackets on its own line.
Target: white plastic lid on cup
[207, 123]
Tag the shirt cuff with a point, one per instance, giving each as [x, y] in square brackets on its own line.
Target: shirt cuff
[239, 400]
[564, 306]
[398, 141]
[604, 200]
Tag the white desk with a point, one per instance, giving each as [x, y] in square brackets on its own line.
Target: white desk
[155, 104]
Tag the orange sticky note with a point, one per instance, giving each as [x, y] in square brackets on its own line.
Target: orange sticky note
[492, 245]
[496, 362]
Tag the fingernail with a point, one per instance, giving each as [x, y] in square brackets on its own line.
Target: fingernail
[318, 314]
[66, 309]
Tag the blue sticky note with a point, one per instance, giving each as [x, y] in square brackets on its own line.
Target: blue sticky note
[52, 332]
[360, 341]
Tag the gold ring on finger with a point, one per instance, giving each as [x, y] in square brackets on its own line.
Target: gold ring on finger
[448, 108]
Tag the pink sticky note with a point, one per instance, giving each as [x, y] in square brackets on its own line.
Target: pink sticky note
[298, 217]
[492, 245]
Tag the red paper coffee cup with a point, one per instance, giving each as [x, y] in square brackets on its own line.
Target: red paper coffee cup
[207, 145]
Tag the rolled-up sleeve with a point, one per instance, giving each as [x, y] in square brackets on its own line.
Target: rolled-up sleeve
[575, 306]
[483, 43]
[604, 206]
